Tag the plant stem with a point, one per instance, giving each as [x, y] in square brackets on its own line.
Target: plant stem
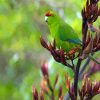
[90, 57]
[83, 68]
[52, 96]
[51, 89]
[72, 63]
[76, 76]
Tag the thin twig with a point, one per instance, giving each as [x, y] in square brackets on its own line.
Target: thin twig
[80, 76]
[51, 89]
[70, 66]
[93, 59]
[76, 76]
[72, 63]
[83, 68]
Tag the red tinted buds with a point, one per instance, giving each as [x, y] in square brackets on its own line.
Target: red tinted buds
[88, 89]
[44, 69]
[43, 86]
[35, 93]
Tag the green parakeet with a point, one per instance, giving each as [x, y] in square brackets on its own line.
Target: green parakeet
[65, 36]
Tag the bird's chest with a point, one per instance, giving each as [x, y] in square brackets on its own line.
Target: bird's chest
[55, 31]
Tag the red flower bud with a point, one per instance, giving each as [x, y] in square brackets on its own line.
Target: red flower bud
[35, 93]
[43, 86]
[44, 69]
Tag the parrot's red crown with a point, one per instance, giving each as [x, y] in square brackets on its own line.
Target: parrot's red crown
[49, 13]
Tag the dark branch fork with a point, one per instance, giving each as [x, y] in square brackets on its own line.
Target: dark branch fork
[90, 45]
[89, 14]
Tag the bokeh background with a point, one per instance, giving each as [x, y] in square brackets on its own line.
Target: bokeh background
[21, 25]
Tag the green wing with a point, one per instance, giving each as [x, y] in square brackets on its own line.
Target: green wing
[66, 33]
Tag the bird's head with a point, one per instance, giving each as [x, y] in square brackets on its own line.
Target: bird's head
[50, 17]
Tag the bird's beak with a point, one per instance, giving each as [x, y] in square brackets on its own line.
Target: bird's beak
[46, 18]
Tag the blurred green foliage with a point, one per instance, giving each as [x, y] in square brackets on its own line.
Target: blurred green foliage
[21, 25]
